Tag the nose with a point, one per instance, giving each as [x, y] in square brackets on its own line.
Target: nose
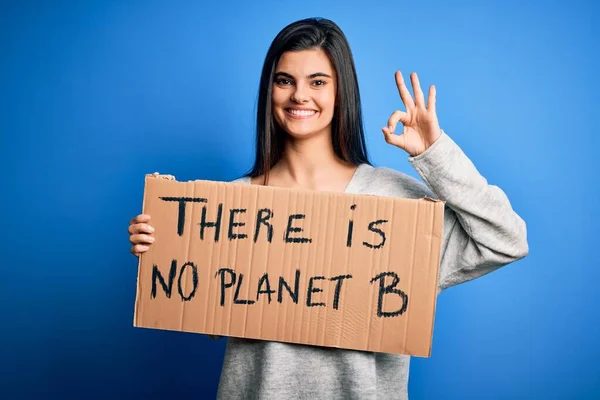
[300, 95]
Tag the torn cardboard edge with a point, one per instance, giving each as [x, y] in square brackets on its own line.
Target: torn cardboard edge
[359, 297]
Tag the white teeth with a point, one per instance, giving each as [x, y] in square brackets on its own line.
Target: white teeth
[302, 113]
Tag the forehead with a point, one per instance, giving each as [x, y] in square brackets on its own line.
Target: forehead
[305, 62]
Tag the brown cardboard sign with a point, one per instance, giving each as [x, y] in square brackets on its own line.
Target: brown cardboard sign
[319, 268]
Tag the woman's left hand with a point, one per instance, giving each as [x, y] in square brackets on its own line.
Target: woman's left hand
[421, 127]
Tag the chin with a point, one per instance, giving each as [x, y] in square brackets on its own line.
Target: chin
[304, 132]
[301, 131]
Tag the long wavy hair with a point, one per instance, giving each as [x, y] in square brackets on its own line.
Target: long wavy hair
[347, 126]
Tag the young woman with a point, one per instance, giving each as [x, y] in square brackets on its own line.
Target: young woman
[310, 135]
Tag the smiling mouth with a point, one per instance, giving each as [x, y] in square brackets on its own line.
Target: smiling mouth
[300, 113]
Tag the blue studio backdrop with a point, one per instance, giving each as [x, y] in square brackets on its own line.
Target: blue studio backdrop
[96, 94]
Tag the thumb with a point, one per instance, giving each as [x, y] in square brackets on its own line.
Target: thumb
[393, 139]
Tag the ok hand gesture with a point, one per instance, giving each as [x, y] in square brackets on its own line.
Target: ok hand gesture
[421, 127]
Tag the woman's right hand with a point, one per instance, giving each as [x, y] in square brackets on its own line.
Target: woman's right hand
[140, 234]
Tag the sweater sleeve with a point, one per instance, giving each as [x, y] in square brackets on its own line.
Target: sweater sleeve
[481, 230]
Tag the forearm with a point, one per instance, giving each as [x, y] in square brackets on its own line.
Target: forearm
[481, 231]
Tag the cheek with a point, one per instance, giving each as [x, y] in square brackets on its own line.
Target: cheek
[279, 96]
[326, 102]
[278, 100]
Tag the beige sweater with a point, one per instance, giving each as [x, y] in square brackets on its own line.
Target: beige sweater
[481, 233]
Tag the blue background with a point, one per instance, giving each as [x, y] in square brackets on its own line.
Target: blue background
[96, 94]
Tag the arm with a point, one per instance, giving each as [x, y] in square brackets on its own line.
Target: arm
[481, 230]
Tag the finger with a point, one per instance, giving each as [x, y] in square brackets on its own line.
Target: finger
[139, 249]
[141, 239]
[140, 218]
[397, 116]
[140, 228]
[403, 90]
[419, 97]
[391, 138]
[431, 99]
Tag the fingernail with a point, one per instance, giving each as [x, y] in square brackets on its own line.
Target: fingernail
[152, 239]
[151, 229]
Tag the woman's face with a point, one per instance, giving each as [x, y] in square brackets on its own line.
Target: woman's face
[304, 93]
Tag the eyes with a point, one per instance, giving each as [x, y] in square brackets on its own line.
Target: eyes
[286, 82]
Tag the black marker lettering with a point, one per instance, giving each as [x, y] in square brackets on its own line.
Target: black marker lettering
[216, 225]
[157, 275]
[383, 290]
[263, 220]
[237, 293]
[338, 289]
[291, 228]
[224, 285]
[350, 228]
[294, 293]
[194, 280]
[181, 216]
[264, 280]
[312, 290]
[232, 224]
[379, 231]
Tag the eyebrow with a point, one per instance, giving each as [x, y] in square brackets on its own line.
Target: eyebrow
[311, 76]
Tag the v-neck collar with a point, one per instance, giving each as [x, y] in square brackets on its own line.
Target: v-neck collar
[349, 187]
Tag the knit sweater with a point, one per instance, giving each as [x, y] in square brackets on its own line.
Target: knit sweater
[481, 233]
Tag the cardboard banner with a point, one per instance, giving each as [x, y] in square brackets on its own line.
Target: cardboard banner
[319, 268]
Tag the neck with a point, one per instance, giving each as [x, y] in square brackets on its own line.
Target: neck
[311, 163]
